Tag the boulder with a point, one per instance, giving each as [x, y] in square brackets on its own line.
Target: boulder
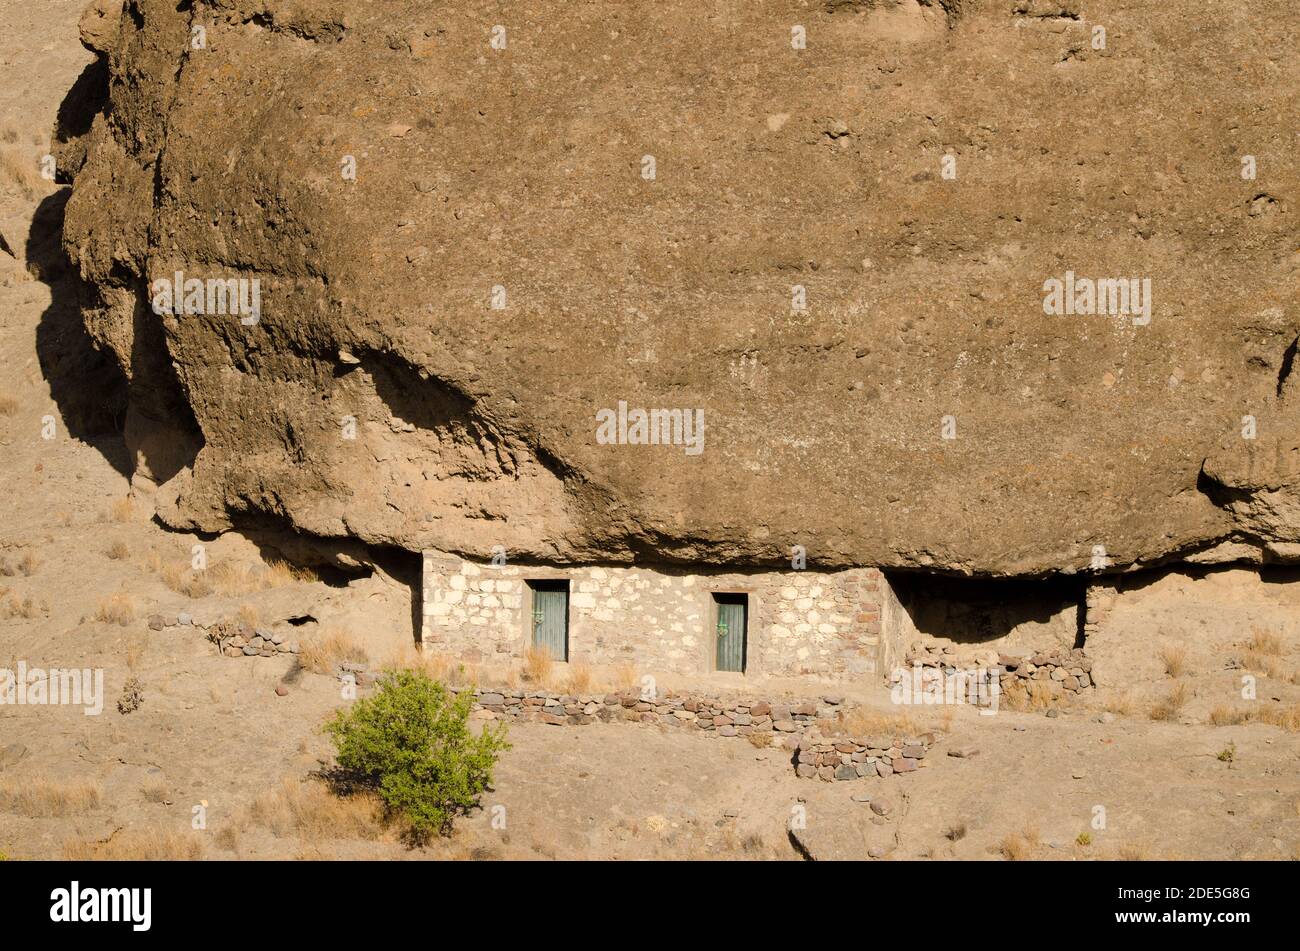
[858, 303]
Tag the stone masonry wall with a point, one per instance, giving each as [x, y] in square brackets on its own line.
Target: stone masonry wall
[801, 623]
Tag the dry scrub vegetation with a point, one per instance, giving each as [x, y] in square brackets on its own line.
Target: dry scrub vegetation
[12, 606]
[1174, 657]
[309, 810]
[137, 846]
[229, 578]
[1286, 718]
[20, 166]
[116, 609]
[864, 721]
[537, 666]
[39, 797]
[1028, 696]
[323, 652]
[1172, 705]
[1264, 655]
[1018, 846]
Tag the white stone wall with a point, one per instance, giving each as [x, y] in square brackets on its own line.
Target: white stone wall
[824, 624]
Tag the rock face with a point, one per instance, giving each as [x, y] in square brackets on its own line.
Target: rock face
[475, 231]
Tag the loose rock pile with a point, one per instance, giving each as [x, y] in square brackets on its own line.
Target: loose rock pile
[843, 758]
[235, 638]
[1066, 671]
[232, 638]
[1059, 673]
[791, 725]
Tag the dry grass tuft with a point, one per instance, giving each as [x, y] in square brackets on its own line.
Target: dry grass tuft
[8, 405]
[323, 653]
[1265, 664]
[1019, 846]
[39, 797]
[1174, 657]
[537, 665]
[1285, 718]
[1135, 852]
[116, 609]
[154, 791]
[118, 551]
[1028, 696]
[122, 510]
[22, 171]
[1224, 715]
[1265, 642]
[438, 666]
[865, 721]
[312, 811]
[579, 681]
[15, 607]
[625, 678]
[186, 581]
[235, 578]
[1168, 708]
[149, 846]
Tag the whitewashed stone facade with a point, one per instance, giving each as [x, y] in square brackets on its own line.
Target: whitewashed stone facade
[825, 624]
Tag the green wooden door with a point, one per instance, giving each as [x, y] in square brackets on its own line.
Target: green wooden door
[733, 611]
[551, 617]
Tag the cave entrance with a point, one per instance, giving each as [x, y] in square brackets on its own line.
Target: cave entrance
[1006, 614]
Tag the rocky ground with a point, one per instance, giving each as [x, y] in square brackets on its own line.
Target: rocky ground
[83, 569]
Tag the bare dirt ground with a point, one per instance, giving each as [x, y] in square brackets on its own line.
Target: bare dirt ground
[82, 567]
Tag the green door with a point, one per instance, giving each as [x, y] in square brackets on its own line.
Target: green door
[551, 617]
[733, 616]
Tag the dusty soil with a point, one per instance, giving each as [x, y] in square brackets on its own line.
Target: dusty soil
[212, 731]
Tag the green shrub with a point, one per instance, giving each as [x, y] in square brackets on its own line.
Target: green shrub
[412, 742]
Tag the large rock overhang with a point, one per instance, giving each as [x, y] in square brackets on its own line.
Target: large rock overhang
[1081, 441]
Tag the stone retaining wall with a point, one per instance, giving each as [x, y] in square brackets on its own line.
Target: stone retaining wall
[790, 725]
[1059, 674]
